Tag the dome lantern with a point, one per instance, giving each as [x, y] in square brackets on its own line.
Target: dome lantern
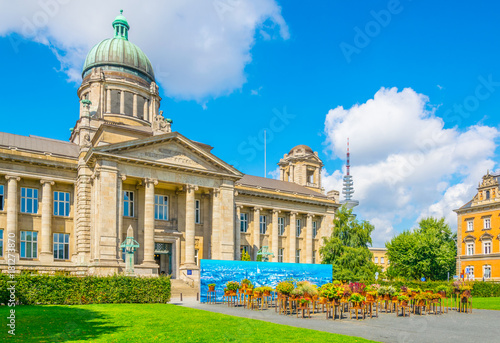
[121, 26]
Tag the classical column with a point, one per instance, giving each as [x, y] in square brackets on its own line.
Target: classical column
[237, 233]
[119, 204]
[122, 102]
[309, 239]
[149, 220]
[292, 237]
[108, 100]
[190, 224]
[12, 210]
[134, 106]
[215, 245]
[256, 231]
[274, 236]
[145, 114]
[46, 253]
[292, 173]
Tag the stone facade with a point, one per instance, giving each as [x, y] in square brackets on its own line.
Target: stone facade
[67, 205]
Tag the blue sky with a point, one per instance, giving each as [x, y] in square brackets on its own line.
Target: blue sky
[274, 60]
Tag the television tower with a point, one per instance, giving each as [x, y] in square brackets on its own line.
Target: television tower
[348, 184]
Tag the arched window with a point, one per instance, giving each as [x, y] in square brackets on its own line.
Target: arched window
[487, 195]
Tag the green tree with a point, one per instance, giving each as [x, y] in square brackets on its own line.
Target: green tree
[245, 256]
[347, 248]
[428, 251]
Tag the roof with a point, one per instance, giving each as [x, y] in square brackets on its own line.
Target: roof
[272, 184]
[39, 144]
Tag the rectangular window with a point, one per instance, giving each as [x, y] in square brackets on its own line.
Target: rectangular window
[123, 254]
[314, 256]
[61, 204]
[1, 197]
[29, 244]
[470, 249]
[1, 243]
[128, 204]
[263, 224]
[470, 275]
[487, 223]
[487, 248]
[243, 222]
[299, 228]
[297, 256]
[470, 225]
[61, 246]
[29, 200]
[161, 207]
[487, 272]
[281, 252]
[315, 229]
[381, 260]
[197, 211]
[281, 226]
[376, 259]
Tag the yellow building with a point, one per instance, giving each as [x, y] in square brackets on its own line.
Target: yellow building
[479, 233]
[380, 258]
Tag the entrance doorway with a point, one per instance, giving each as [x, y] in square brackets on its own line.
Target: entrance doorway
[163, 256]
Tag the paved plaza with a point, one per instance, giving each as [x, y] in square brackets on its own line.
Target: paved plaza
[480, 326]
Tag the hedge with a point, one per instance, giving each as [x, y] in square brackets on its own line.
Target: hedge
[479, 288]
[39, 289]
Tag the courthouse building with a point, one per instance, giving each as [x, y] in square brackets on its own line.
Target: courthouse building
[68, 205]
[478, 236]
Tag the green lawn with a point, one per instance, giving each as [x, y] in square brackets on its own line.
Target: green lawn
[149, 323]
[486, 303]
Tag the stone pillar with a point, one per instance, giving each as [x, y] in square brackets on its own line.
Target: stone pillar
[216, 224]
[309, 239]
[292, 173]
[108, 100]
[282, 174]
[134, 106]
[292, 237]
[46, 253]
[274, 236]
[12, 210]
[122, 102]
[190, 224]
[119, 204]
[145, 114]
[149, 220]
[256, 231]
[237, 233]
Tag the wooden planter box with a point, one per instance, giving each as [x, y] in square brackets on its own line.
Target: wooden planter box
[211, 288]
[267, 294]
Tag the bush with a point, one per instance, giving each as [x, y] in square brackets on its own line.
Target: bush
[33, 289]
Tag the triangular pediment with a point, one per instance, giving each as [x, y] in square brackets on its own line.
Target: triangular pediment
[170, 149]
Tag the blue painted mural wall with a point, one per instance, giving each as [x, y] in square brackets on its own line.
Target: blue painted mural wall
[259, 273]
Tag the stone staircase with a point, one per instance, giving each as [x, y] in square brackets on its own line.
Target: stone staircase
[188, 290]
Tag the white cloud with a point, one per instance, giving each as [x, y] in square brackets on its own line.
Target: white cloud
[404, 163]
[198, 49]
[275, 174]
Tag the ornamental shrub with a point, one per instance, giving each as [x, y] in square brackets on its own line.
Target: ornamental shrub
[43, 289]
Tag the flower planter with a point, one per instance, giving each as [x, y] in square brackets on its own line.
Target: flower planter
[404, 303]
[387, 297]
[211, 288]
[257, 294]
[267, 293]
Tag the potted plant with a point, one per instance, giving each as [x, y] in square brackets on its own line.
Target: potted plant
[421, 299]
[285, 287]
[357, 287]
[442, 290]
[211, 287]
[403, 300]
[233, 287]
[304, 302]
[245, 283]
[297, 293]
[356, 299]
[308, 289]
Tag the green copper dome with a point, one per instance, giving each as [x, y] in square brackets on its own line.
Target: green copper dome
[119, 54]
